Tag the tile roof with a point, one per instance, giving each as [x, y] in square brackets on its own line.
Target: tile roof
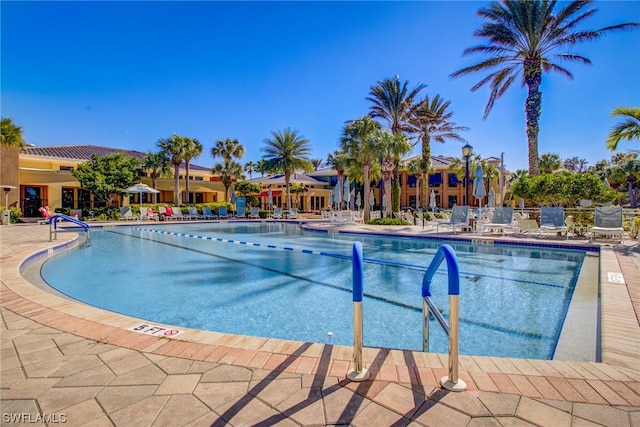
[84, 152]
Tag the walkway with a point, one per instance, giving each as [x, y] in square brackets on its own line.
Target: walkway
[64, 361]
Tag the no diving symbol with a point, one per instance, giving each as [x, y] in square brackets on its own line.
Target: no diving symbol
[171, 332]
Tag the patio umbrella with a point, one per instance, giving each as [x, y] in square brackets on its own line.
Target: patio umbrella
[521, 204]
[358, 200]
[140, 188]
[269, 198]
[479, 191]
[336, 194]
[492, 198]
[233, 195]
[372, 199]
[346, 192]
[432, 199]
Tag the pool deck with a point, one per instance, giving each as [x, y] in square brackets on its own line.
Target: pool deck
[63, 361]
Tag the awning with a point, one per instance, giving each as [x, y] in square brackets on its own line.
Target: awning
[274, 193]
[453, 178]
[435, 179]
[411, 180]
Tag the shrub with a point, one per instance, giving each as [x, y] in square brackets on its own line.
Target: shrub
[387, 221]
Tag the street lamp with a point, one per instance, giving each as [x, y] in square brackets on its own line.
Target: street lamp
[467, 150]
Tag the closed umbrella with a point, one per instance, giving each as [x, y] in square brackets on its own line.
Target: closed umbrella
[233, 195]
[521, 204]
[492, 198]
[358, 200]
[336, 195]
[346, 192]
[432, 199]
[269, 199]
[479, 191]
[372, 199]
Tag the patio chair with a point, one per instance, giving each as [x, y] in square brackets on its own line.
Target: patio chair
[206, 212]
[347, 217]
[528, 226]
[193, 213]
[277, 212]
[502, 220]
[126, 214]
[144, 214]
[608, 222]
[255, 212]
[293, 213]
[177, 214]
[358, 217]
[241, 212]
[552, 220]
[459, 218]
[222, 212]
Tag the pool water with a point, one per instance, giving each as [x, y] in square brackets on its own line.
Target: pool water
[513, 300]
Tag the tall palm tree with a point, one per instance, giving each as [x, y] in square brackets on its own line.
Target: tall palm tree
[173, 148]
[393, 103]
[193, 149]
[287, 151]
[157, 165]
[393, 148]
[262, 167]
[338, 161]
[524, 38]
[628, 129]
[11, 134]
[432, 122]
[360, 141]
[250, 168]
[228, 170]
[228, 149]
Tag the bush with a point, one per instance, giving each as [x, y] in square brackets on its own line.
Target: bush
[14, 215]
[387, 221]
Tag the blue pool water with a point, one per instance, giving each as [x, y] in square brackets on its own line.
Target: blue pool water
[513, 300]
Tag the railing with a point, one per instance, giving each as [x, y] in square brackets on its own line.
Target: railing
[53, 226]
[452, 382]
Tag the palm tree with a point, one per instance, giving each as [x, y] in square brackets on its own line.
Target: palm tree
[287, 151]
[228, 170]
[415, 167]
[393, 103]
[229, 149]
[432, 121]
[393, 148]
[262, 167]
[550, 162]
[157, 164]
[338, 161]
[11, 134]
[193, 149]
[317, 163]
[360, 142]
[173, 148]
[250, 168]
[524, 37]
[628, 129]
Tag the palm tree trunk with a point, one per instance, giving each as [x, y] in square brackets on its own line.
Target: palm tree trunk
[176, 185]
[426, 162]
[186, 182]
[533, 104]
[287, 176]
[367, 190]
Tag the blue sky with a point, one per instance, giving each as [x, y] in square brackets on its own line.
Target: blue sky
[124, 74]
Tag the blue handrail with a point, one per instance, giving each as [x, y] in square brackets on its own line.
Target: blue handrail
[53, 221]
[452, 382]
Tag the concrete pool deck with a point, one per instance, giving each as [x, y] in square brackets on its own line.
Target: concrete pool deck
[65, 361]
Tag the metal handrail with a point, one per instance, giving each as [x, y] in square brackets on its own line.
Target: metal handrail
[452, 382]
[53, 226]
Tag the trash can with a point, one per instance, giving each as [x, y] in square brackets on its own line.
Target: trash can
[6, 218]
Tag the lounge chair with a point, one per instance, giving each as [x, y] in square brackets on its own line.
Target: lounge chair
[528, 226]
[144, 216]
[347, 217]
[177, 214]
[222, 212]
[502, 220]
[459, 218]
[241, 212]
[552, 220]
[608, 222]
[193, 213]
[375, 214]
[358, 217]
[255, 212]
[277, 212]
[126, 214]
[206, 212]
[293, 213]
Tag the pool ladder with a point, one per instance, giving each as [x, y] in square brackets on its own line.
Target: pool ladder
[451, 382]
[53, 227]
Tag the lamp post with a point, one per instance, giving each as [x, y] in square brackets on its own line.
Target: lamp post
[467, 150]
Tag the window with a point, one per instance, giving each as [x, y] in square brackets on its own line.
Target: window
[411, 181]
[435, 179]
[453, 180]
[66, 168]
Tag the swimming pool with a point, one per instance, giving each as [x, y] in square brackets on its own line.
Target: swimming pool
[513, 300]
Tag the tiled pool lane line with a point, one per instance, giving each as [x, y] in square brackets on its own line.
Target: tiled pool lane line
[208, 377]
